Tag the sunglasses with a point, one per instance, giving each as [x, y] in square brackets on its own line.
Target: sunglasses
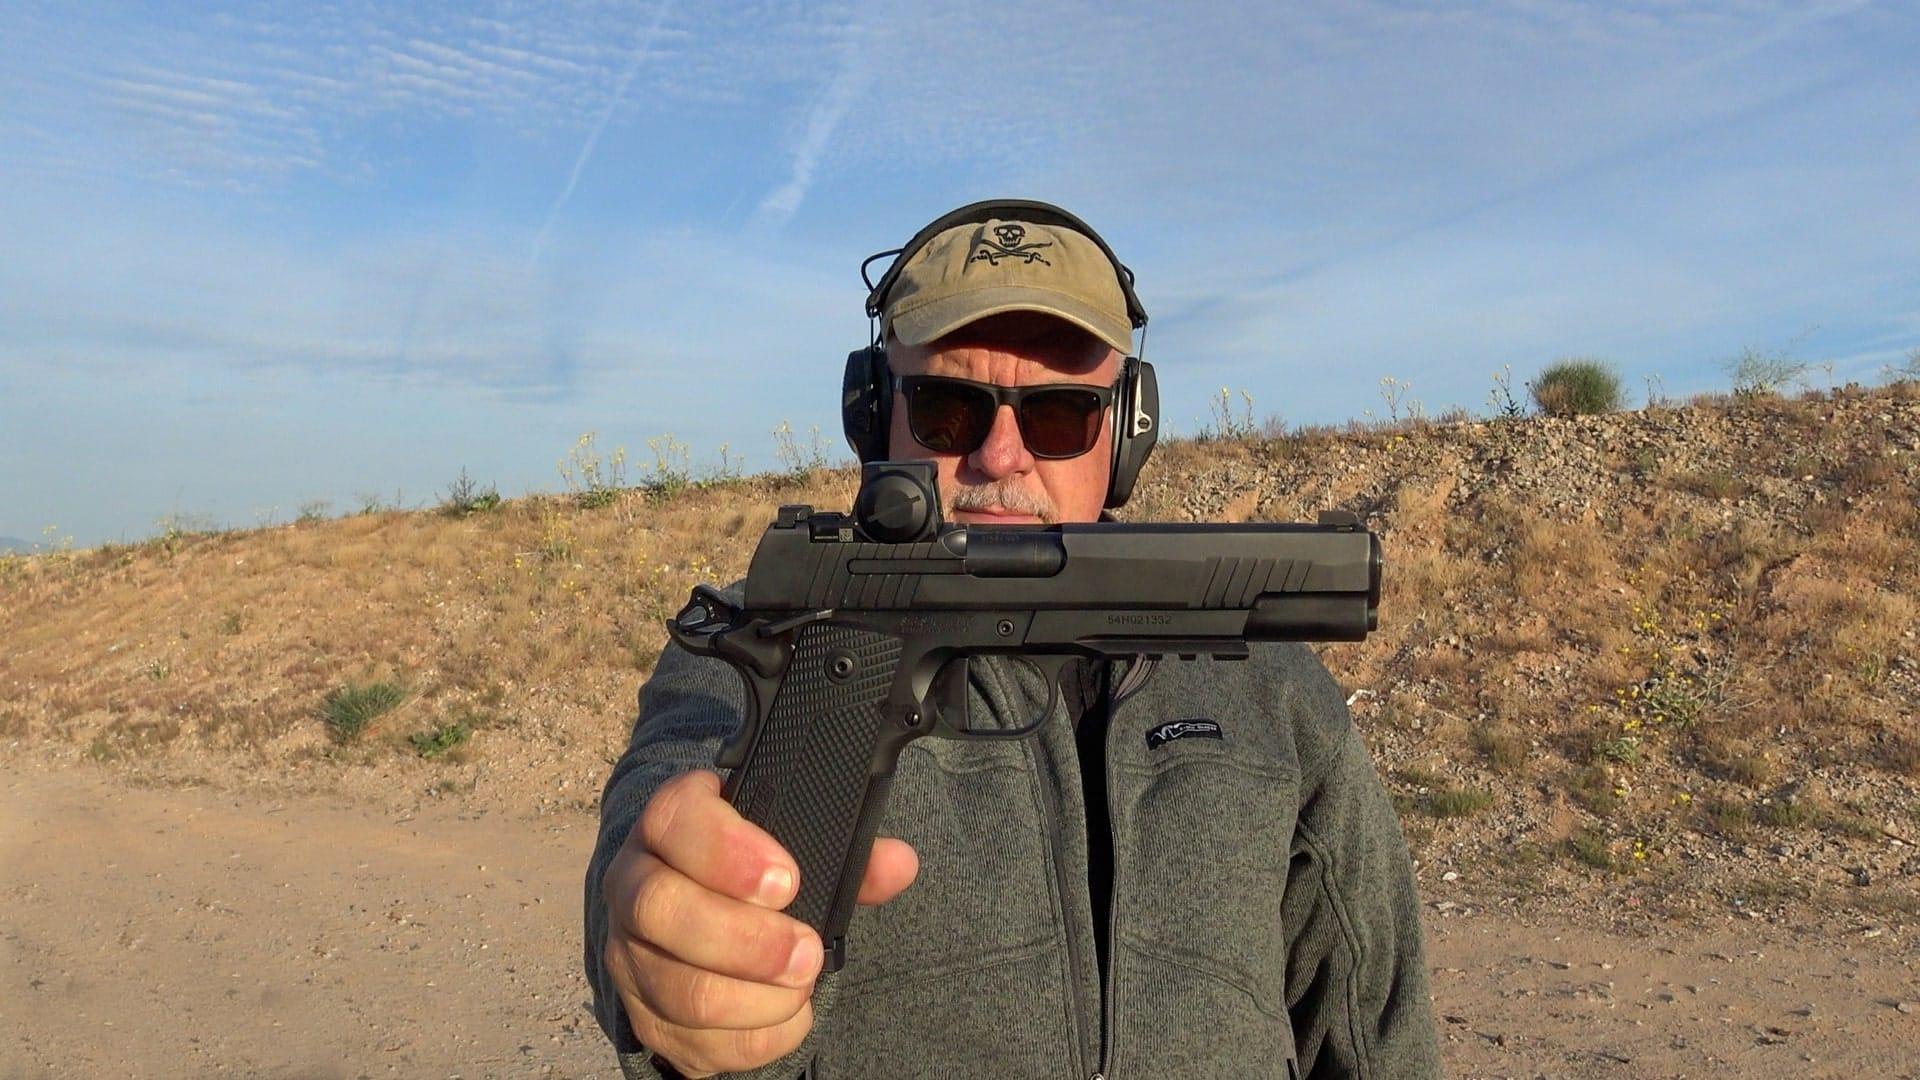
[953, 416]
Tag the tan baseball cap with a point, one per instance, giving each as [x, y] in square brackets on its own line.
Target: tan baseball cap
[972, 271]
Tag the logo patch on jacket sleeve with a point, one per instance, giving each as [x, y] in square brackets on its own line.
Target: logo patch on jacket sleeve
[1181, 729]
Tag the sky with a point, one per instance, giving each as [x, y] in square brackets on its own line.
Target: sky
[256, 259]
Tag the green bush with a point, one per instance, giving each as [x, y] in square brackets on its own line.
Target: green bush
[348, 710]
[432, 744]
[1577, 387]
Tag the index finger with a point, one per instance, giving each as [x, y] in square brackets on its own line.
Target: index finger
[688, 826]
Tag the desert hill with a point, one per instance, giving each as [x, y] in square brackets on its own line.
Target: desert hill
[1658, 661]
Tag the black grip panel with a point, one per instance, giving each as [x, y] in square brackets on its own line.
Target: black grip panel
[816, 777]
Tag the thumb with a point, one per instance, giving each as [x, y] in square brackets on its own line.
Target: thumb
[890, 869]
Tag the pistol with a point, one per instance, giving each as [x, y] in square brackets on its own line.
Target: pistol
[855, 631]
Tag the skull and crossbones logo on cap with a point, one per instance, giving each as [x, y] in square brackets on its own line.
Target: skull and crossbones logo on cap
[1006, 244]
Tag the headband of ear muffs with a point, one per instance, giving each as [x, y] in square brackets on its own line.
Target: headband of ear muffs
[866, 387]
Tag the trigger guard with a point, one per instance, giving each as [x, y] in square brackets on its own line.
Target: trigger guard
[1049, 666]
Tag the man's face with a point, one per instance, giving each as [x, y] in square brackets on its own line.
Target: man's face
[1002, 482]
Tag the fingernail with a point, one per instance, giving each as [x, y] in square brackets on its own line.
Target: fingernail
[775, 884]
[800, 963]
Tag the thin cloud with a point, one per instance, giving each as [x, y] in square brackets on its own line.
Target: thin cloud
[300, 90]
[848, 84]
[593, 137]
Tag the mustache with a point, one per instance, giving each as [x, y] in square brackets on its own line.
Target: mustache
[1005, 494]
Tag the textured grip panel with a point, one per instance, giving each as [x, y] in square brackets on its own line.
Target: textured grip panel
[808, 777]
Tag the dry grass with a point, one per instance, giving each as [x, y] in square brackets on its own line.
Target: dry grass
[1898, 754]
[1732, 759]
[1549, 551]
[1719, 482]
[1503, 749]
[235, 639]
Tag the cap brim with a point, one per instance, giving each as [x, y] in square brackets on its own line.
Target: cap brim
[919, 325]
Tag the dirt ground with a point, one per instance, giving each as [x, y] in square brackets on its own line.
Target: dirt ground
[192, 931]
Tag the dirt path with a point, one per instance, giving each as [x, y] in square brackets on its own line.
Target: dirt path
[189, 932]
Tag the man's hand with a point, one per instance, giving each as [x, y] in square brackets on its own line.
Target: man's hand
[713, 977]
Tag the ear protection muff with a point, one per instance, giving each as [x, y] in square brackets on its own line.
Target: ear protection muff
[1136, 423]
[866, 402]
[866, 386]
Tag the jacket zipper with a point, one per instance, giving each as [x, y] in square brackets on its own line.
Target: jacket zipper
[1110, 988]
[1060, 883]
[1138, 671]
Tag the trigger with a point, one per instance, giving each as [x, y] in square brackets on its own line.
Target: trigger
[949, 695]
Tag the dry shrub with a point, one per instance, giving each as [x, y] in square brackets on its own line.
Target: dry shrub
[1592, 787]
[1426, 578]
[1549, 552]
[1532, 633]
[1172, 460]
[1898, 754]
[1440, 663]
[1743, 552]
[1784, 811]
[1418, 559]
[1732, 759]
[1503, 748]
[1506, 696]
[1315, 436]
[1866, 549]
[1866, 473]
[122, 738]
[1822, 520]
[1589, 848]
[1609, 664]
[243, 727]
[1452, 802]
[1835, 710]
[1841, 618]
[1901, 518]
[1712, 483]
[1670, 552]
[1730, 818]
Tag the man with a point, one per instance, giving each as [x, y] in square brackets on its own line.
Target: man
[1086, 902]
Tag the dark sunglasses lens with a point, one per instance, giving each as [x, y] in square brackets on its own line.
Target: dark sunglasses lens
[950, 417]
[1061, 423]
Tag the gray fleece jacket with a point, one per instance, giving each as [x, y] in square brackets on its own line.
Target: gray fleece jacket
[1264, 920]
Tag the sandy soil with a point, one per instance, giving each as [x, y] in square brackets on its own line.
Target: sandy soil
[191, 931]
